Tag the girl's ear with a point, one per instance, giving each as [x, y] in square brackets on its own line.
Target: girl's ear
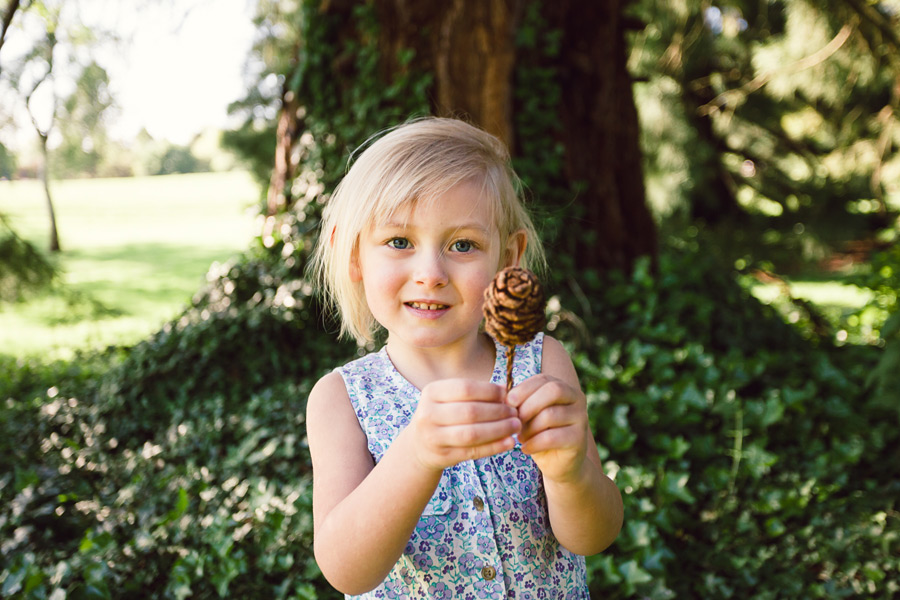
[355, 270]
[515, 248]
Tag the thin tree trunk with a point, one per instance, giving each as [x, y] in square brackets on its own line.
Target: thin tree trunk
[279, 197]
[45, 179]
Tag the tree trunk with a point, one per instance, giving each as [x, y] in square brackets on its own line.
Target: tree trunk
[600, 134]
[469, 47]
[279, 197]
[45, 179]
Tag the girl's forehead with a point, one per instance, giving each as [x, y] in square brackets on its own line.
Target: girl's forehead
[463, 202]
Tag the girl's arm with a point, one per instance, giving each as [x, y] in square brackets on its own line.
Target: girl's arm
[585, 506]
[363, 513]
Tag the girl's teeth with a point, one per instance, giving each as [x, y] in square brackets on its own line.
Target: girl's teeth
[421, 306]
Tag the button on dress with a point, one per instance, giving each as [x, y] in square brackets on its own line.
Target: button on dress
[485, 533]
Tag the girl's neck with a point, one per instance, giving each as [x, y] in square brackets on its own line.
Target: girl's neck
[421, 366]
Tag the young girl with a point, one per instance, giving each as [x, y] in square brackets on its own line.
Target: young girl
[430, 481]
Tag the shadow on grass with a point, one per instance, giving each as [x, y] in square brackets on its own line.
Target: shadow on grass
[81, 306]
[134, 279]
[150, 266]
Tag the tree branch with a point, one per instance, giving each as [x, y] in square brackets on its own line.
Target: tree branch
[870, 14]
[7, 20]
[729, 98]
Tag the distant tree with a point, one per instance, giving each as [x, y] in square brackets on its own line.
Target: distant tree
[56, 56]
[42, 60]
[178, 159]
[6, 17]
[82, 125]
[7, 163]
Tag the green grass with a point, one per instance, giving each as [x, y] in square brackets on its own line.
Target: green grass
[134, 251]
[822, 293]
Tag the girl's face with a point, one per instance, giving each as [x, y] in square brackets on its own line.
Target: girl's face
[424, 273]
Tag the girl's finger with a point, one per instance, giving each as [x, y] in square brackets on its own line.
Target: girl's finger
[475, 435]
[552, 417]
[518, 394]
[557, 438]
[464, 413]
[552, 392]
[463, 390]
[498, 447]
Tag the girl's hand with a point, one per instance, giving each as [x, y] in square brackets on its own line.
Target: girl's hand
[554, 425]
[461, 419]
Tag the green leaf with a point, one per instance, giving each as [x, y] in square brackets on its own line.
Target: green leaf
[674, 485]
[633, 574]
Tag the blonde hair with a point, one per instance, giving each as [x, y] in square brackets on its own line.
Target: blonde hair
[417, 161]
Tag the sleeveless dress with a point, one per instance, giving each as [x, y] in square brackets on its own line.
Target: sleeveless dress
[485, 533]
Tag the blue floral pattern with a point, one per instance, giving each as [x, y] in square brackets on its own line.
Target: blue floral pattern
[485, 533]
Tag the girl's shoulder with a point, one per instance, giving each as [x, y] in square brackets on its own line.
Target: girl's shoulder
[555, 359]
[337, 384]
[372, 360]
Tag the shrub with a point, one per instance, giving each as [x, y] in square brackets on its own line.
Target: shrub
[751, 462]
[216, 504]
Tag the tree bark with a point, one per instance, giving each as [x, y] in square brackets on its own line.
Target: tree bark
[469, 47]
[279, 197]
[600, 134]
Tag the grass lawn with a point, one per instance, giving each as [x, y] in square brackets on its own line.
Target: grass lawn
[134, 251]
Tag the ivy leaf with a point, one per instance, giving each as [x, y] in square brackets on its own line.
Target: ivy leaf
[633, 574]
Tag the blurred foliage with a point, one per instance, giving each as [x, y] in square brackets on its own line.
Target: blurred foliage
[82, 125]
[752, 463]
[776, 121]
[882, 314]
[24, 270]
[215, 503]
[177, 159]
[7, 163]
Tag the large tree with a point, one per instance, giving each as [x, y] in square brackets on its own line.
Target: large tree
[472, 50]
[549, 80]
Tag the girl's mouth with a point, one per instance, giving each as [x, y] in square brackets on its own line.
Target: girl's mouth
[427, 306]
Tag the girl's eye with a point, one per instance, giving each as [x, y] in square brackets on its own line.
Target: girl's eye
[463, 246]
[398, 243]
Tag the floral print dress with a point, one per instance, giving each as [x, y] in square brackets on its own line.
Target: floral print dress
[485, 533]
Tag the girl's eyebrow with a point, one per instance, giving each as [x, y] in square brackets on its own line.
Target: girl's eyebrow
[470, 226]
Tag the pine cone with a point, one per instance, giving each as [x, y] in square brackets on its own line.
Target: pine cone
[514, 307]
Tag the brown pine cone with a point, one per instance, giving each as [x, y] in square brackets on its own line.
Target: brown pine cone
[514, 307]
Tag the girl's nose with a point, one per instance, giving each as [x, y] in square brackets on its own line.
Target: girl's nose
[430, 270]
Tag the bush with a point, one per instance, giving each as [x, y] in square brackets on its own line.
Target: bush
[751, 462]
[215, 504]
